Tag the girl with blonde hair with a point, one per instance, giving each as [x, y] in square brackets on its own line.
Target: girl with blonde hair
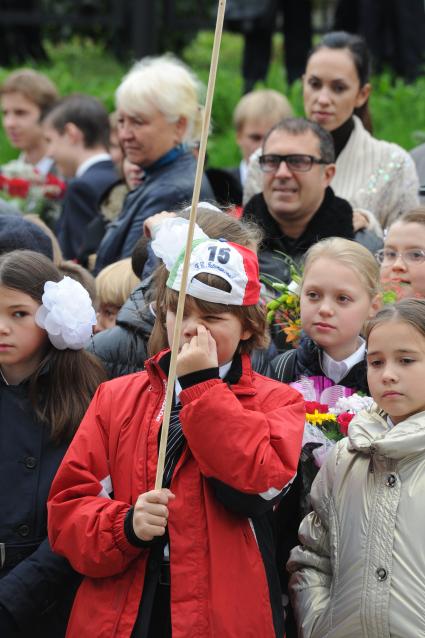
[113, 287]
[359, 571]
[339, 292]
[402, 258]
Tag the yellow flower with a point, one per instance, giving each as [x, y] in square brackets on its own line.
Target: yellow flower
[319, 418]
[292, 332]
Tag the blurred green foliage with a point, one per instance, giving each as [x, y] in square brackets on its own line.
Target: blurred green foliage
[80, 65]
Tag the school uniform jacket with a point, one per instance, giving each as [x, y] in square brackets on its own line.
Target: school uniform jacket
[306, 361]
[81, 206]
[36, 585]
[242, 439]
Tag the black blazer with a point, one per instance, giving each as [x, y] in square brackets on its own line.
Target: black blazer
[81, 205]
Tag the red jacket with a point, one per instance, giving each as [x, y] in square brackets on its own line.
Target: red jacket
[247, 436]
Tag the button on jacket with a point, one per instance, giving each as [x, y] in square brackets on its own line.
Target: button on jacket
[360, 572]
[36, 586]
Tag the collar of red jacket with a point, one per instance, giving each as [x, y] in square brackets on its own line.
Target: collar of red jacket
[239, 376]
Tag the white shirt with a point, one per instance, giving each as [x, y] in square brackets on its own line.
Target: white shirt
[44, 165]
[337, 370]
[243, 171]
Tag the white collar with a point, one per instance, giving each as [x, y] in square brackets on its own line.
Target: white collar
[88, 163]
[222, 371]
[243, 171]
[337, 370]
[44, 165]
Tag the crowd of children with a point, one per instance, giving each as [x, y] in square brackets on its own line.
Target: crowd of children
[89, 544]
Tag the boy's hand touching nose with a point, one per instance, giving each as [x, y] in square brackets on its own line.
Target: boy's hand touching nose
[200, 353]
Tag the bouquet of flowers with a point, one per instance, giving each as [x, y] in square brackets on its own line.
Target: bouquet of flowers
[284, 308]
[23, 186]
[327, 424]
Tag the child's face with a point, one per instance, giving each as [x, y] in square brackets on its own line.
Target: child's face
[22, 342]
[106, 316]
[115, 149]
[21, 121]
[251, 136]
[407, 276]
[396, 369]
[61, 149]
[225, 328]
[133, 174]
[334, 307]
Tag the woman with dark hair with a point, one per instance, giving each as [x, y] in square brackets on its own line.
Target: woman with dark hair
[378, 178]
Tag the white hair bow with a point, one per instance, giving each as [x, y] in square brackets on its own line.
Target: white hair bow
[67, 314]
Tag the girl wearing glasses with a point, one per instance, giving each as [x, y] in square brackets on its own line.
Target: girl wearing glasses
[403, 257]
[378, 178]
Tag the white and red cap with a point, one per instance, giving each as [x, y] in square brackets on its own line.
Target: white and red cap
[235, 264]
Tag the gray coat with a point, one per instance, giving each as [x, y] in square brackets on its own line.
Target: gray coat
[360, 572]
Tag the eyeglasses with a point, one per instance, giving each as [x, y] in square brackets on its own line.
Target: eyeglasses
[297, 163]
[388, 256]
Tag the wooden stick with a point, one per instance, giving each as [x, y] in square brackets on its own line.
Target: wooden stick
[191, 229]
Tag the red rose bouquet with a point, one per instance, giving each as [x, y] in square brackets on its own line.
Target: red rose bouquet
[325, 425]
[23, 186]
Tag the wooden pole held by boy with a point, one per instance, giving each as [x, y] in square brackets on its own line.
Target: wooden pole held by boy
[192, 220]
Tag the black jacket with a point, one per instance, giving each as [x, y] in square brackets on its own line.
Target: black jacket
[36, 586]
[81, 206]
[123, 349]
[333, 218]
[287, 367]
[167, 185]
[305, 361]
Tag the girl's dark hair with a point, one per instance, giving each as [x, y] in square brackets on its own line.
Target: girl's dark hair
[63, 384]
[357, 47]
[410, 311]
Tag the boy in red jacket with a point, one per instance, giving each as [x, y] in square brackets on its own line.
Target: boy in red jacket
[196, 558]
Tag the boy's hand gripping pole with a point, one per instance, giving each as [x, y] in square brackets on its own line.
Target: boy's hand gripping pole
[192, 220]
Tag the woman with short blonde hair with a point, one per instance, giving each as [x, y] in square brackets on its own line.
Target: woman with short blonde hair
[159, 118]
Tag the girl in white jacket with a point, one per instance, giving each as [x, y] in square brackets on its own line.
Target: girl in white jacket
[360, 569]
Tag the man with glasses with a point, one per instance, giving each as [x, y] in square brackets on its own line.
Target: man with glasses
[297, 206]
